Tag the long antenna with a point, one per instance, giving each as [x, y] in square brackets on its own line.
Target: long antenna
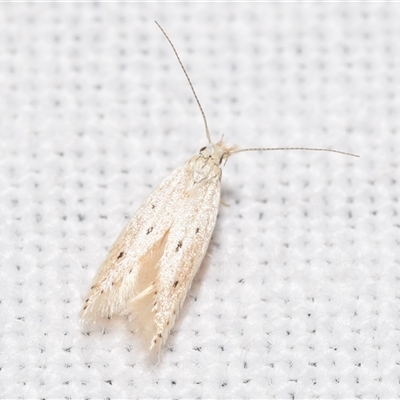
[294, 148]
[205, 119]
[190, 83]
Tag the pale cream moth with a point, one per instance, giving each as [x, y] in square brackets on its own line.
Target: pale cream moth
[150, 268]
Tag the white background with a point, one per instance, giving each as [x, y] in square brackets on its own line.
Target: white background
[299, 296]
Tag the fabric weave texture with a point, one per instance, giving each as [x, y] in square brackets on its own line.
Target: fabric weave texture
[299, 295]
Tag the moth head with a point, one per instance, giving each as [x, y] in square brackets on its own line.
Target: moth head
[217, 152]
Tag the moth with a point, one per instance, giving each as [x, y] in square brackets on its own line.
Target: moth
[150, 268]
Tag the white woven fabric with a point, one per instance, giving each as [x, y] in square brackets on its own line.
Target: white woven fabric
[300, 295]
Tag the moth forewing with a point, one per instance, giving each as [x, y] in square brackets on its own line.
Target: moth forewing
[154, 314]
[118, 278]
